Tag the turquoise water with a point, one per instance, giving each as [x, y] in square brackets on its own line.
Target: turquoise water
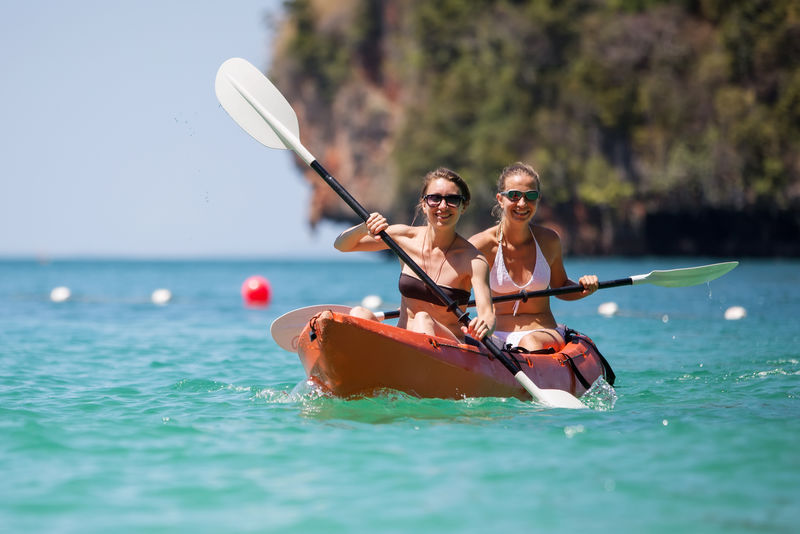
[120, 415]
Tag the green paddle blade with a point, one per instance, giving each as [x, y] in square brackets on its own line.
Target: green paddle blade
[690, 276]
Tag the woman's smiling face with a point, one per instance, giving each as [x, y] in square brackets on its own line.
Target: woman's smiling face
[442, 214]
[521, 210]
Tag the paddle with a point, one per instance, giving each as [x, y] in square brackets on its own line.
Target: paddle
[286, 328]
[258, 107]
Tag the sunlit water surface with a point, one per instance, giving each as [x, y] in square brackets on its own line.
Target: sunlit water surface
[120, 415]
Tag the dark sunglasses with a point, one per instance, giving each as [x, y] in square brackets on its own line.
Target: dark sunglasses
[513, 195]
[453, 201]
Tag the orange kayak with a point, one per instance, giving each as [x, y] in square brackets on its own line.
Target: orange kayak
[352, 357]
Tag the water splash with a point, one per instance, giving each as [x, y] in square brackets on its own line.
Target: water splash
[300, 393]
[392, 406]
[388, 405]
[601, 396]
[571, 430]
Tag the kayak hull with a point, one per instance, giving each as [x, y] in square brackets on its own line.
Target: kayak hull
[352, 357]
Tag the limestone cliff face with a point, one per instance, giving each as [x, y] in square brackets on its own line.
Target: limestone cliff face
[347, 121]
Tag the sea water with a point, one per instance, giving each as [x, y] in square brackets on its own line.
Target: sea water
[120, 415]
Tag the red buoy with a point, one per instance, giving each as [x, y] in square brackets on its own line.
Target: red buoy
[256, 291]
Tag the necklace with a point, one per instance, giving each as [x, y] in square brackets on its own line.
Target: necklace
[425, 256]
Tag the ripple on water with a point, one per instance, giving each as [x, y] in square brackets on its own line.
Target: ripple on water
[389, 406]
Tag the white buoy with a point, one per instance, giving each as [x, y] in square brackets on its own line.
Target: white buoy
[372, 302]
[607, 309]
[161, 296]
[734, 313]
[60, 294]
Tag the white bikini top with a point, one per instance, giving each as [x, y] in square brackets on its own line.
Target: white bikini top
[501, 282]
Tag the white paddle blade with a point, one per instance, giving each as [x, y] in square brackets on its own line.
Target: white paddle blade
[690, 276]
[555, 398]
[286, 329]
[258, 107]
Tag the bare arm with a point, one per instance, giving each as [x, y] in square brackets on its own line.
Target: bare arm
[483, 324]
[485, 241]
[590, 284]
[558, 274]
[364, 236]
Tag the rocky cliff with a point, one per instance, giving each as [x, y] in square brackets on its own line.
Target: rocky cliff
[348, 106]
[657, 127]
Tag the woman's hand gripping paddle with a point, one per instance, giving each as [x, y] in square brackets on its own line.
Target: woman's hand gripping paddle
[258, 107]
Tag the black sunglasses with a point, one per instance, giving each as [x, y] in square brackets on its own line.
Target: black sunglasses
[453, 201]
[513, 195]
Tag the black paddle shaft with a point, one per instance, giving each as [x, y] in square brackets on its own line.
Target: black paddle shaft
[463, 317]
[525, 295]
[574, 288]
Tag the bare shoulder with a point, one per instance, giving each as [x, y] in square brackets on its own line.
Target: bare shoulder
[549, 241]
[543, 233]
[403, 230]
[466, 251]
[467, 259]
[485, 240]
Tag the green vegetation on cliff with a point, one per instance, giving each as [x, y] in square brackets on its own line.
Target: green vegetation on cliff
[625, 107]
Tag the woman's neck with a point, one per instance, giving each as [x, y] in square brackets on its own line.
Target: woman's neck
[515, 233]
[442, 238]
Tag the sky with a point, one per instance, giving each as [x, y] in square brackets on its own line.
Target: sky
[113, 144]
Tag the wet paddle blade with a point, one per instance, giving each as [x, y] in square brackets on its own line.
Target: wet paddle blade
[689, 276]
[554, 398]
[286, 328]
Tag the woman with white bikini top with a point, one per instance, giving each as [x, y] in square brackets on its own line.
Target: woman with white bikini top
[525, 257]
